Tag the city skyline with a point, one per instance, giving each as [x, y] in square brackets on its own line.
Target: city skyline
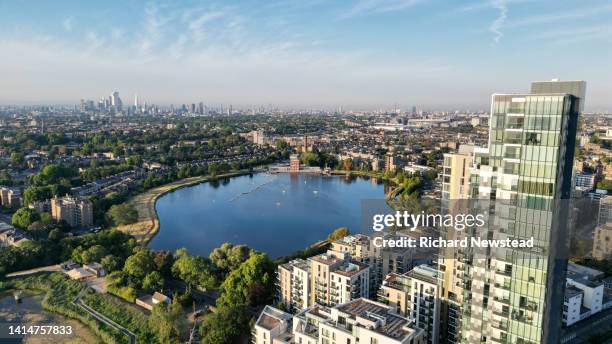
[361, 55]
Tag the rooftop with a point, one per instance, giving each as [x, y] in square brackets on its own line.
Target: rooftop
[387, 322]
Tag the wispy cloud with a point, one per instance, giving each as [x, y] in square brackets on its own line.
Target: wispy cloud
[497, 24]
[67, 24]
[560, 16]
[153, 27]
[364, 7]
[567, 35]
[485, 4]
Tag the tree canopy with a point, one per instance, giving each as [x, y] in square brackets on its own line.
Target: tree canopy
[122, 214]
[24, 217]
[252, 283]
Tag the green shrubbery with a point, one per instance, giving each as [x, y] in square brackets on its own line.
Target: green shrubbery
[60, 293]
[124, 315]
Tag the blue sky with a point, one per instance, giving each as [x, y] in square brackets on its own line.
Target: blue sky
[359, 54]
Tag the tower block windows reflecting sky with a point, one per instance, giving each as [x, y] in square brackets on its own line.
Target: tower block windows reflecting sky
[514, 295]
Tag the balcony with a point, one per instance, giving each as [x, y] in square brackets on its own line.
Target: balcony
[505, 286]
[502, 313]
[504, 272]
[502, 300]
[522, 318]
[500, 325]
[530, 306]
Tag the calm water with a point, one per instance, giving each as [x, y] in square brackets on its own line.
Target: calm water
[277, 214]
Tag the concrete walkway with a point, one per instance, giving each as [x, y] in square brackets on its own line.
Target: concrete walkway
[50, 268]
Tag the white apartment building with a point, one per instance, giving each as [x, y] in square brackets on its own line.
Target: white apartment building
[381, 261]
[360, 321]
[584, 181]
[585, 294]
[329, 279]
[415, 295]
[337, 279]
[294, 284]
[272, 326]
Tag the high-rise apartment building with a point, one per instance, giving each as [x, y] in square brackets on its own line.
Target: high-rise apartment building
[516, 295]
[456, 173]
[77, 212]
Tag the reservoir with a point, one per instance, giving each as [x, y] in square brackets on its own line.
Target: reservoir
[274, 213]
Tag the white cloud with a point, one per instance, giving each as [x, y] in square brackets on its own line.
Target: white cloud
[364, 7]
[497, 24]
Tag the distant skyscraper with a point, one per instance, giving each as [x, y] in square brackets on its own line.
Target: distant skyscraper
[116, 101]
[136, 101]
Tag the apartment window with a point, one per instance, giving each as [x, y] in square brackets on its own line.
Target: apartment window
[373, 341]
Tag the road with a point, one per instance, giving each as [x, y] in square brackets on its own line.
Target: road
[102, 318]
[50, 268]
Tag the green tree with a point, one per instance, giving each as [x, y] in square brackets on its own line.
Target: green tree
[193, 270]
[163, 262]
[46, 219]
[17, 158]
[213, 169]
[251, 284]
[225, 326]
[110, 262]
[139, 264]
[24, 217]
[228, 257]
[166, 319]
[310, 159]
[36, 193]
[153, 281]
[93, 254]
[605, 184]
[123, 214]
[55, 234]
[281, 144]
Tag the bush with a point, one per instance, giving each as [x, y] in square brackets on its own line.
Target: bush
[60, 293]
[124, 315]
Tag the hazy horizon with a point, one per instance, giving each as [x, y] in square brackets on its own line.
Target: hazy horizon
[361, 55]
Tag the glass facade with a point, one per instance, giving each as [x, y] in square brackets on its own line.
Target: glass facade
[523, 179]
